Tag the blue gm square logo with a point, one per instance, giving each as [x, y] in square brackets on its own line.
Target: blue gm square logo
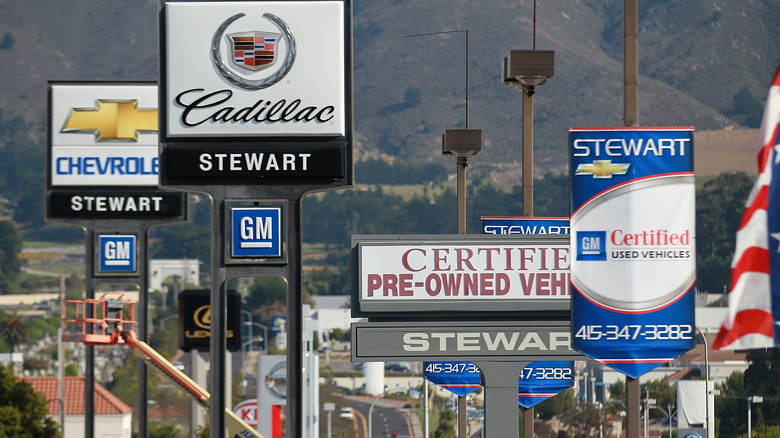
[117, 253]
[257, 232]
[592, 245]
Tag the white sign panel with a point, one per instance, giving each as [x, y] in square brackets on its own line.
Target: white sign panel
[255, 69]
[497, 270]
[104, 135]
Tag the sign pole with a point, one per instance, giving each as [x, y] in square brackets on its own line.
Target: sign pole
[500, 383]
[89, 350]
[218, 340]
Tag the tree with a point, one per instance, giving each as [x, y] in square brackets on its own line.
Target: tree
[10, 247]
[584, 421]
[446, 427]
[719, 208]
[557, 405]
[13, 330]
[762, 377]
[23, 412]
[731, 407]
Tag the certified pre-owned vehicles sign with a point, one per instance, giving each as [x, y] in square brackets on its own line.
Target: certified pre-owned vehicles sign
[462, 274]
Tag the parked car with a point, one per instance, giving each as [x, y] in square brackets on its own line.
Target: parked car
[398, 366]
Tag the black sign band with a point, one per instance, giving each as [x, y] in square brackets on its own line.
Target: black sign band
[105, 204]
[203, 165]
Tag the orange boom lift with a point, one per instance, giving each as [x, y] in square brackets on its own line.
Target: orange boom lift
[110, 321]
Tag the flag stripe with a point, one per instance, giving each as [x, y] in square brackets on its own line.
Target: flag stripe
[749, 322]
[752, 260]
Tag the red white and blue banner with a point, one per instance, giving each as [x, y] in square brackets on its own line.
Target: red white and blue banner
[754, 293]
[633, 261]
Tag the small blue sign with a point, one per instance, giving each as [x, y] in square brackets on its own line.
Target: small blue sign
[257, 232]
[117, 253]
[278, 324]
[591, 245]
[460, 378]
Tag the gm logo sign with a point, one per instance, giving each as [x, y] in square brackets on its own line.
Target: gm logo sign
[256, 232]
[592, 245]
[117, 254]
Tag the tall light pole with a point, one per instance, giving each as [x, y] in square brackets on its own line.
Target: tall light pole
[460, 144]
[525, 70]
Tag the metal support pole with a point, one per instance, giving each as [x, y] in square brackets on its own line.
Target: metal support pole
[425, 409]
[142, 330]
[633, 405]
[295, 344]
[631, 62]
[462, 163]
[500, 383]
[631, 118]
[89, 372]
[218, 340]
[528, 423]
[528, 153]
[462, 420]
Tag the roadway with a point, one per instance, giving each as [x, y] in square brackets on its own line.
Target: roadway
[388, 418]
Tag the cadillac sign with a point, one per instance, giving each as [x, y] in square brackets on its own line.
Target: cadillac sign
[255, 69]
[256, 93]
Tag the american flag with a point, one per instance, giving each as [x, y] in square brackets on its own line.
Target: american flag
[754, 293]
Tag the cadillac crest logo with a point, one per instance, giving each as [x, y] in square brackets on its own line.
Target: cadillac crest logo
[253, 51]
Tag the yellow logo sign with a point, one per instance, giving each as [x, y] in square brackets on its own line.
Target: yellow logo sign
[113, 120]
[202, 317]
[602, 169]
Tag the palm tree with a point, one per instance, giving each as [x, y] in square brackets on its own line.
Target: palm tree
[13, 330]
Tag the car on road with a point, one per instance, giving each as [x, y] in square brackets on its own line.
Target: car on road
[346, 413]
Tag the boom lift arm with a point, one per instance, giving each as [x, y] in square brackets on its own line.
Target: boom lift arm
[110, 321]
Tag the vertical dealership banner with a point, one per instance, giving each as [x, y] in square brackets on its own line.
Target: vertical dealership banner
[633, 263]
[542, 379]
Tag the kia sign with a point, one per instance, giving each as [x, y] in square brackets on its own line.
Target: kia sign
[268, 69]
[247, 411]
[633, 245]
[461, 273]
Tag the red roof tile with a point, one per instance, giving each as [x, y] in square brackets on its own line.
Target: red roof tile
[105, 402]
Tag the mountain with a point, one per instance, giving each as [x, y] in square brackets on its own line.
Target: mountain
[696, 57]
